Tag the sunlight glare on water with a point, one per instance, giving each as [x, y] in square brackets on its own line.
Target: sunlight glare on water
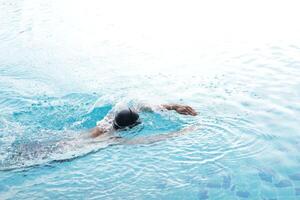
[65, 64]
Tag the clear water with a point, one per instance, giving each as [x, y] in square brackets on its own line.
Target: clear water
[65, 64]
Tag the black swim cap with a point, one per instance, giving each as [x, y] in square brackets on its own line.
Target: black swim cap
[126, 118]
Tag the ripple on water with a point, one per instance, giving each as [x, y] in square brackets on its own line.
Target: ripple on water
[243, 194]
[295, 177]
[283, 183]
[266, 175]
[233, 136]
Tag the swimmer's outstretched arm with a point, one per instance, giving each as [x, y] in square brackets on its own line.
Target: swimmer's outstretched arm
[157, 138]
[181, 109]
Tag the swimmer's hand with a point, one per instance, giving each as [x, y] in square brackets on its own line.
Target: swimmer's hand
[181, 109]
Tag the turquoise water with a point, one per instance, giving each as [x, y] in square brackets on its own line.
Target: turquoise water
[64, 65]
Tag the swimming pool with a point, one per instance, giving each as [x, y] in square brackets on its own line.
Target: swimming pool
[64, 65]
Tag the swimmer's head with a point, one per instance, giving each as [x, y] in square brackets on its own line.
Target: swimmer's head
[126, 118]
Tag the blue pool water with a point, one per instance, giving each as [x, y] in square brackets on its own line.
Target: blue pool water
[64, 65]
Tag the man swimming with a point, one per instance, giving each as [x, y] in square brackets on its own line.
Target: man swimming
[128, 118]
[101, 136]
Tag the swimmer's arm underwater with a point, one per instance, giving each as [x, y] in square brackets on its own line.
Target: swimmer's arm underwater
[157, 138]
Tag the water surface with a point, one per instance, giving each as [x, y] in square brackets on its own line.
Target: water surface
[64, 65]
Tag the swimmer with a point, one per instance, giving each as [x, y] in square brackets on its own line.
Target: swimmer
[22, 154]
[129, 118]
